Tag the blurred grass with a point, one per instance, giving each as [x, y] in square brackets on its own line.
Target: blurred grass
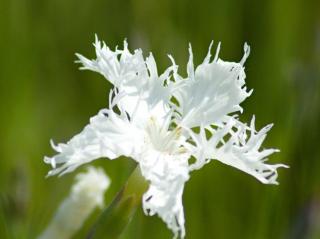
[44, 96]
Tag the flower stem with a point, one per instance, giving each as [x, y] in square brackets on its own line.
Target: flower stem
[118, 214]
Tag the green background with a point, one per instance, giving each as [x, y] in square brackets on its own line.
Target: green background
[43, 95]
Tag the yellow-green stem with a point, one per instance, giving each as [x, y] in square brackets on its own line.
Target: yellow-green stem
[118, 214]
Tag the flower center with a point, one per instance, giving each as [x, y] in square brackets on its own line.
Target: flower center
[164, 140]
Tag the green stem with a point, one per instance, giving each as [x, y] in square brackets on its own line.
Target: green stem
[118, 214]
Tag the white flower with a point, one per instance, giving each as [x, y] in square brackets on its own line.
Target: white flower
[86, 194]
[161, 121]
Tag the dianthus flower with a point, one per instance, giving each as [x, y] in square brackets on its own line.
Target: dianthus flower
[86, 194]
[163, 120]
